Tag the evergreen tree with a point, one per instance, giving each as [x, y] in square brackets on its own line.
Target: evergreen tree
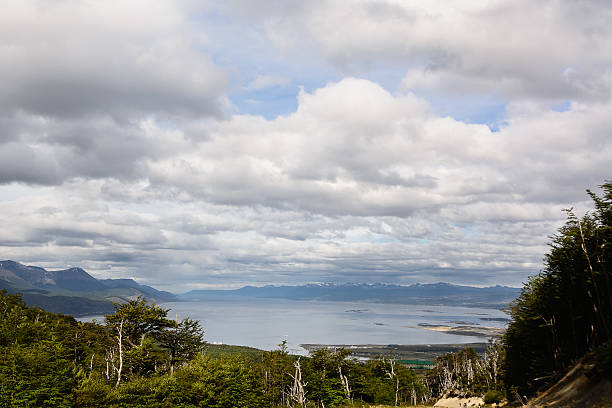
[566, 310]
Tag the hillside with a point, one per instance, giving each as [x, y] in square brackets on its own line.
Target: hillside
[587, 384]
[73, 290]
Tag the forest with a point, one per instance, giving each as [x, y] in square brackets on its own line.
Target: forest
[138, 357]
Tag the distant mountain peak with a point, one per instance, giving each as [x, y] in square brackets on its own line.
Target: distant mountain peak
[426, 293]
[61, 287]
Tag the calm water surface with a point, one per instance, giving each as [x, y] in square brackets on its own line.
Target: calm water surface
[264, 323]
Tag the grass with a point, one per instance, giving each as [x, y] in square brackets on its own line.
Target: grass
[215, 350]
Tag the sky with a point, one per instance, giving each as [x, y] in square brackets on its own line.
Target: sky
[213, 144]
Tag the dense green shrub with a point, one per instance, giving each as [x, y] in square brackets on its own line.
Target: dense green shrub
[493, 396]
[53, 360]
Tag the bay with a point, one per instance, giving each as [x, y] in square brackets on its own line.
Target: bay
[265, 323]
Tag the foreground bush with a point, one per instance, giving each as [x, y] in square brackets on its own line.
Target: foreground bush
[493, 396]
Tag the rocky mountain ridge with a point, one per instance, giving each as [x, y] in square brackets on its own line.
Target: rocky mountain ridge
[73, 290]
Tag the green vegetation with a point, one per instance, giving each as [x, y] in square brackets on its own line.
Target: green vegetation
[40, 354]
[566, 310]
[140, 358]
[215, 350]
[562, 315]
[493, 396]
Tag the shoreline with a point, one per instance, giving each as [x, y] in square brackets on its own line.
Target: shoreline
[462, 330]
[427, 352]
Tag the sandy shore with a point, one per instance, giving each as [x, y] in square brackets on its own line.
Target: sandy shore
[463, 330]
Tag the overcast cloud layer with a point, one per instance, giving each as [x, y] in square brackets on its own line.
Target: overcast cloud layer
[214, 145]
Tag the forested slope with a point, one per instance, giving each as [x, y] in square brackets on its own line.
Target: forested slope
[566, 310]
[140, 358]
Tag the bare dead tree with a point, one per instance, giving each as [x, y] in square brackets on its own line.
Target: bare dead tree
[298, 394]
[427, 396]
[396, 390]
[470, 372]
[91, 363]
[446, 380]
[345, 384]
[492, 362]
[391, 375]
[119, 342]
[110, 362]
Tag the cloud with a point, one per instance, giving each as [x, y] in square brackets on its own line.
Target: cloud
[51, 150]
[502, 47]
[236, 245]
[353, 148]
[90, 90]
[119, 154]
[266, 81]
[356, 185]
[69, 58]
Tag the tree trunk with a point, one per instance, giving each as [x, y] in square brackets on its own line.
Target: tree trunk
[298, 394]
[91, 363]
[120, 341]
[396, 389]
[345, 384]
[597, 302]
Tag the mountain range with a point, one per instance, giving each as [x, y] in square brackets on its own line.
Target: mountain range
[73, 291]
[423, 294]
